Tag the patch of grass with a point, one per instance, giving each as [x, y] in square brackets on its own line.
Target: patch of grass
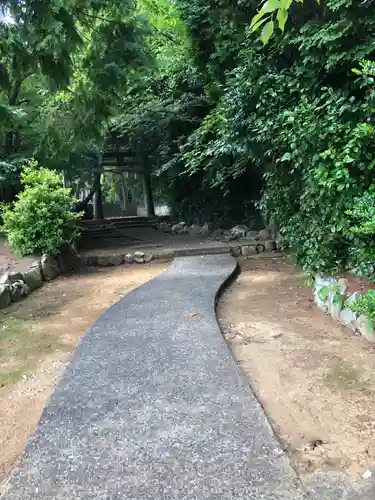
[14, 376]
[22, 345]
[343, 377]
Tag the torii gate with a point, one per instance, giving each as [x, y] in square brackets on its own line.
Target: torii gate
[120, 162]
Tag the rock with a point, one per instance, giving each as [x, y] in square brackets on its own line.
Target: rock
[367, 474]
[260, 248]
[194, 230]
[139, 257]
[226, 236]
[68, 259]
[343, 285]
[5, 299]
[116, 260]
[104, 260]
[235, 251]
[50, 267]
[281, 243]
[270, 245]
[205, 230]
[264, 234]
[252, 234]
[165, 226]
[218, 233]
[128, 259]
[180, 228]
[365, 327]
[9, 278]
[33, 277]
[148, 258]
[248, 250]
[238, 232]
[352, 298]
[18, 291]
[348, 318]
[91, 260]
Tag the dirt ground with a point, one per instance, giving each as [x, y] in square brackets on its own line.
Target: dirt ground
[315, 379]
[37, 338]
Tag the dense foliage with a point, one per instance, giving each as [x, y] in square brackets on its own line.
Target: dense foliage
[40, 220]
[229, 124]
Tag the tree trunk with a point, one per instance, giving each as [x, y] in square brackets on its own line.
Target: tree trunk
[98, 199]
[150, 209]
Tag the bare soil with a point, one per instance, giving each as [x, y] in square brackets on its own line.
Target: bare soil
[37, 338]
[314, 378]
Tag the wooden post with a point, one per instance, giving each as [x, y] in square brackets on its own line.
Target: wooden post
[98, 198]
[149, 202]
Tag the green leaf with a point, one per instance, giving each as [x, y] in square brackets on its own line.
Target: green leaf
[282, 16]
[267, 32]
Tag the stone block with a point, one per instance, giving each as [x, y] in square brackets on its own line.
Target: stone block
[248, 250]
[50, 267]
[365, 327]
[128, 258]
[5, 298]
[270, 245]
[33, 277]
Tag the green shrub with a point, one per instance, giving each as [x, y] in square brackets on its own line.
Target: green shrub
[40, 220]
[364, 304]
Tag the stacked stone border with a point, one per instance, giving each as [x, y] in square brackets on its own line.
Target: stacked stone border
[331, 297]
[239, 241]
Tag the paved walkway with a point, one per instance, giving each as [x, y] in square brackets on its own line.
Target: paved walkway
[153, 406]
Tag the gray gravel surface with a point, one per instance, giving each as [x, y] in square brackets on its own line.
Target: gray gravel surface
[153, 406]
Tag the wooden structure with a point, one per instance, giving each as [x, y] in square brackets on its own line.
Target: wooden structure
[120, 162]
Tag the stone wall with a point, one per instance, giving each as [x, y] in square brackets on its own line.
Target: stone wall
[15, 286]
[331, 297]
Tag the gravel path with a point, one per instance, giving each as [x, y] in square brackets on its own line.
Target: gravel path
[153, 406]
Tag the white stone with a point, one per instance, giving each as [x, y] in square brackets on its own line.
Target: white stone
[180, 228]
[128, 258]
[148, 258]
[367, 474]
[350, 300]
[194, 230]
[239, 231]
[348, 319]
[366, 329]
[139, 257]
[18, 290]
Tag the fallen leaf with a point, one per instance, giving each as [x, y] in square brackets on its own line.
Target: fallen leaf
[191, 315]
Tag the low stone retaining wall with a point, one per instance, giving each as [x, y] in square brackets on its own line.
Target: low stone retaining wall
[330, 295]
[15, 286]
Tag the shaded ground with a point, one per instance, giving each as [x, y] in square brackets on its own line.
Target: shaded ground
[37, 337]
[315, 379]
[8, 260]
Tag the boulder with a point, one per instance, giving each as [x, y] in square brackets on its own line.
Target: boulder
[128, 258]
[248, 250]
[104, 260]
[281, 243]
[9, 278]
[139, 257]
[148, 258]
[194, 230]
[116, 260]
[50, 267]
[352, 298]
[264, 234]
[18, 291]
[270, 245]
[239, 231]
[252, 234]
[180, 228]
[348, 318]
[5, 298]
[33, 277]
[343, 285]
[205, 230]
[235, 251]
[260, 248]
[68, 259]
[365, 327]
[165, 227]
[217, 233]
